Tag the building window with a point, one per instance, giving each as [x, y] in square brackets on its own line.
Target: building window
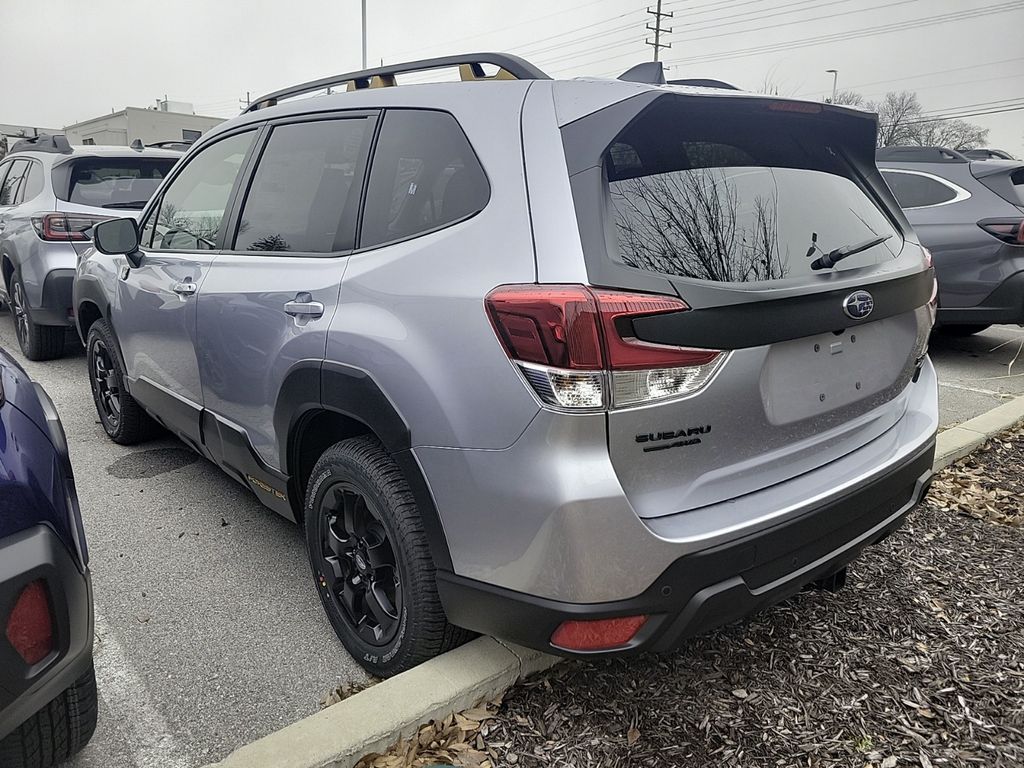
[187, 135]
[89, 142]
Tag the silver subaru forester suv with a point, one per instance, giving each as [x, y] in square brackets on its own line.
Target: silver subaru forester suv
[590, 365]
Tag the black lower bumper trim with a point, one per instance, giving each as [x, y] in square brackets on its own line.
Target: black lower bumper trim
[707, 589]
[37, 553]
[57, 301]
[1005, 305]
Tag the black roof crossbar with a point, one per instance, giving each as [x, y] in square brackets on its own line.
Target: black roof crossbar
[920, 155]
[44, 142]
[470, 65]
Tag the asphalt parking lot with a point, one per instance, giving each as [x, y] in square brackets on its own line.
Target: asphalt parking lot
[209, 634]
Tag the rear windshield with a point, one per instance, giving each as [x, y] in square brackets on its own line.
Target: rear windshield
[116, 182]
[737, 200]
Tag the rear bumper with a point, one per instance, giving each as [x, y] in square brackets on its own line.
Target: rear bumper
[1004, 305]
[37, 553]
[56, 299]
[709, 588]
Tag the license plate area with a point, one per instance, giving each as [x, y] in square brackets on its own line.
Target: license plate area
[819, 374]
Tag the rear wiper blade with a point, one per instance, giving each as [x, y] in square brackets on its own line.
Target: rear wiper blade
[833, 257]
[140, 204]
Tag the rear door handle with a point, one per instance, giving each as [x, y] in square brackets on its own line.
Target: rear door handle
[185, 288]
[304, 306]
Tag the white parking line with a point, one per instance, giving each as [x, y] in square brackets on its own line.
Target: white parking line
[128, 700]
[979, 390]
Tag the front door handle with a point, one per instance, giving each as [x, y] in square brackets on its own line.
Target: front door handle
[304, 306]
[185, 288]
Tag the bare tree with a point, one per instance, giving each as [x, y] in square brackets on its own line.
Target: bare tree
[955, 134]
[687, 223]
[849, 99]
[895, 115]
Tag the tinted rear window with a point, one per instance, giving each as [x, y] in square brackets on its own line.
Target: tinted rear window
[913, 190]
[116, 182]
[735, 200]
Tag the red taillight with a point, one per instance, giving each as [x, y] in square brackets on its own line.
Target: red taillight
[1009, 231]
[64, 227]
[804, 107]
[576, 347]
[30, 626]
[597, 634]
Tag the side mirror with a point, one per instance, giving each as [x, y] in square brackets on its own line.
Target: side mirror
[118, 237]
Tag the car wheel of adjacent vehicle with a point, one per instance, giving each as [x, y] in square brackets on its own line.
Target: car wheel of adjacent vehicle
[371, 560]
[37, 342]
[962, 330]
[57, 731]
[122, 418]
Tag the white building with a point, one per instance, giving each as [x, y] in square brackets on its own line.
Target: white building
[169, 121]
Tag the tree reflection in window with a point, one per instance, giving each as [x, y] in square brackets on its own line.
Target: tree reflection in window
[691, 223]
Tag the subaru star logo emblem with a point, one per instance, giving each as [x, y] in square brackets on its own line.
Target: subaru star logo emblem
[858, 305]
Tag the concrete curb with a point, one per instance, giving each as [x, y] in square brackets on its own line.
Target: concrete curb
[374, 719]
[956, 442]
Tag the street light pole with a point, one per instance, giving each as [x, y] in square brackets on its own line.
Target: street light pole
[833, 72]
[364, 34]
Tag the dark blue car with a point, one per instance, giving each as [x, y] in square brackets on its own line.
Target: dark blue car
[47, 686]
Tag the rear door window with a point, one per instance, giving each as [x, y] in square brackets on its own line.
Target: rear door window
[424, 176]
[32, 187]
[917, 190]
[126, 183]
[11, 184]
[304, 195]
[697, 195]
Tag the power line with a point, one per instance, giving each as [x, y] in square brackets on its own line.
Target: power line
[720, 23]
[851, 34]
[982, 104]
[929, 74]
[710, 23]
[938, 118]
[658, 15]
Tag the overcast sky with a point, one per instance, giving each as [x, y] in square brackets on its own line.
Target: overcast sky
[63, 61]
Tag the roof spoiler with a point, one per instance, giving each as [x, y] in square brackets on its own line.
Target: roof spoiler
[44, 142]
[920, 155]
[470, 68]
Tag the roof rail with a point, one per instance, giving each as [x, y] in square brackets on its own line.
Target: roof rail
[44, 142]
[470, 68]
[987, 154]
[920, 155]
[703, 82]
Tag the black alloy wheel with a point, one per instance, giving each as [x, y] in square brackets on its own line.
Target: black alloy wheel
[106, 387]
[359, 569]
[20, 314]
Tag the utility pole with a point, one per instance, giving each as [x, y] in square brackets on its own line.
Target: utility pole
[657, 29]
[244, 104]
[364, 34]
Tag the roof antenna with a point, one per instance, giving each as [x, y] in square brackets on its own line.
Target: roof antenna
[648, 72]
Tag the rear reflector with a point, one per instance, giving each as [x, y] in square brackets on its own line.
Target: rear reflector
[64, 227]
[598, 634]
[576, 348]
[30, 626]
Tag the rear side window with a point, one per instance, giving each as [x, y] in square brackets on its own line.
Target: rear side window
[11, 184]
[126, 183]
[916, 190]
[726, 194]
[305, 193]
[191, 209]
[424, 176]
[32, 187]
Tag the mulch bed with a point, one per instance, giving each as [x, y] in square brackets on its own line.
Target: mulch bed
[919, 661]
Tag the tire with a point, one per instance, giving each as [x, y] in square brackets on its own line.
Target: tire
[122, 417]
[359, 501]
[961, 330]
[37, 342]
[57, 731]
